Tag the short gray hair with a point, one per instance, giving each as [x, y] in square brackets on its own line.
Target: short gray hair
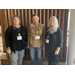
[17, 17]
[55, 27]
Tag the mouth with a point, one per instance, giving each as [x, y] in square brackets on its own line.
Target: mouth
[35, 21]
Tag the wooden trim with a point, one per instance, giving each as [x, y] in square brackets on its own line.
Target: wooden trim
[59, 15]
[55, 12]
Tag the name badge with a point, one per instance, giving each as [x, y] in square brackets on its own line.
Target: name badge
[47, 36]
[19, 37]
[37, 37]
[47, 40]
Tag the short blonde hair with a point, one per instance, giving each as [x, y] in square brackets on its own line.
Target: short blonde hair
[17, 17]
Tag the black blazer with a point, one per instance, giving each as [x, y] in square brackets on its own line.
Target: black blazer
[11, 38]
[55, 40]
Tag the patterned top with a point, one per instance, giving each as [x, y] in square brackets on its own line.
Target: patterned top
[32, 33]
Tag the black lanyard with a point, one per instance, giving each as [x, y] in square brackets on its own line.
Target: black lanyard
[18, 30]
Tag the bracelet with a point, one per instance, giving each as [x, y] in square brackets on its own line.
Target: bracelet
[57, 50]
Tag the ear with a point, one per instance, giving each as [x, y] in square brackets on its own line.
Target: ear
[38, 18]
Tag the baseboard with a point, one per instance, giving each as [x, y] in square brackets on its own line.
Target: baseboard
[44, 58]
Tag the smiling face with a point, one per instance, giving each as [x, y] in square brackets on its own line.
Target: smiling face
[52, 22]
[35, 19]
[16, 21]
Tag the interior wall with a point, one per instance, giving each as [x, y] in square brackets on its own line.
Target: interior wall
[26, 19]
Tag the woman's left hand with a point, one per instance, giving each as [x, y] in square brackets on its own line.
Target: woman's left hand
[56, 52]
[43, 47]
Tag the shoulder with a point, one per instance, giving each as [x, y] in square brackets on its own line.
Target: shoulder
[31, 25]
[10, 27]
[23, 27]
[59, 29]
[42, 26]
[47, 29]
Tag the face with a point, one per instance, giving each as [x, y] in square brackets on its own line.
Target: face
[35, 19]
[52, 21]
[16, 21]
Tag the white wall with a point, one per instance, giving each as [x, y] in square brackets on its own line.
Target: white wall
[71, 46]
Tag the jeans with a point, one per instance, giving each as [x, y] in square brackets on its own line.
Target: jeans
[39, 54]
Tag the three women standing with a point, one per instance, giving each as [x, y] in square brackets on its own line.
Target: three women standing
[16, 40]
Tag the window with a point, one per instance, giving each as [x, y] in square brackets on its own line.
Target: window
[68, 26]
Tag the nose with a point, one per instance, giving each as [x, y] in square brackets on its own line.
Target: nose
[52, 21]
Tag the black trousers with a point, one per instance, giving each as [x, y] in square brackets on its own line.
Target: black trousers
[52, 58]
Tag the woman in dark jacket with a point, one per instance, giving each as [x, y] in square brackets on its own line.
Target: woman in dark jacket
[16, 41]
[54, 40]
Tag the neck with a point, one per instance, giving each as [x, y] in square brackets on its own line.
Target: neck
[51, 26]
[17, 25]
[36, 24]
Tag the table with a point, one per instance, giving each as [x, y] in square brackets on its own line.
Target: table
[5, 61]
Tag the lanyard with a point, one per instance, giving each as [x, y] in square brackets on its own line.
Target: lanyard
[48, 33]
[18, 30]
[37, 28]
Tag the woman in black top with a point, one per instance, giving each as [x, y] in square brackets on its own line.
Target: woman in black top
[16, 41]
[54, 40]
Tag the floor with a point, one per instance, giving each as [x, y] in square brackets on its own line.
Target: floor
[6, 61]
[28, 62]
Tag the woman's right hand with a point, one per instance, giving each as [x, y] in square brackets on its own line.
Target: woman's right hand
[8, 50]
[28, 46]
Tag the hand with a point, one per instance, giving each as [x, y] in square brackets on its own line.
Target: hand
[8, 50]
[43, 47]
[56, 52]
[28, 46]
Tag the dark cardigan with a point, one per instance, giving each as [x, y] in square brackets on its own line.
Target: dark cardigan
[55, 40]
[11, 38]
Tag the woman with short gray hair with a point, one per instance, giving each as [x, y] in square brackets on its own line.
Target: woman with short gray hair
[54, 40]
[16, 41]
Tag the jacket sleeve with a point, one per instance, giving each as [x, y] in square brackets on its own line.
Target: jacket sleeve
[60, 37]
[7, 34]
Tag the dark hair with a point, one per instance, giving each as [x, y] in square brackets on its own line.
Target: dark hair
[17, 17]
[34, 15]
